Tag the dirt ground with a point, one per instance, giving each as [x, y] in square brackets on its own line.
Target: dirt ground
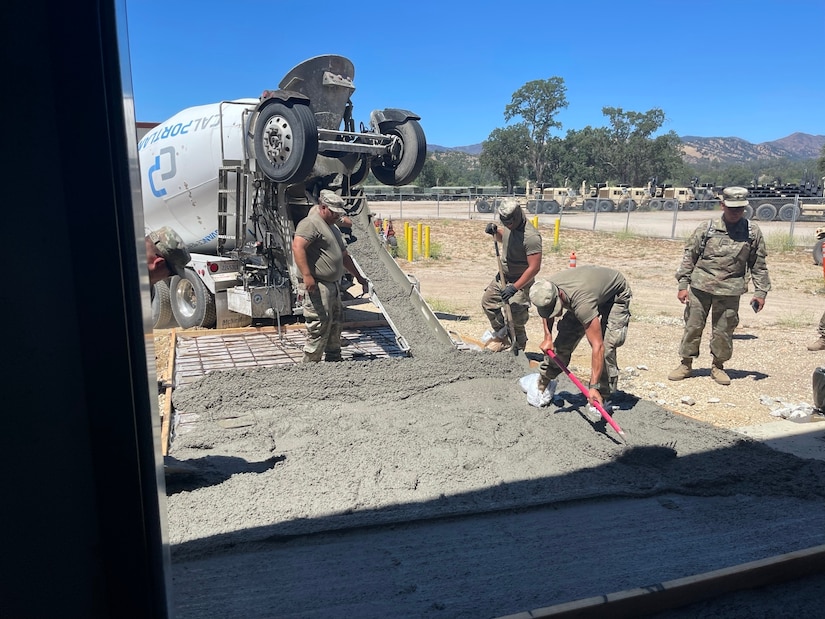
[428, 487]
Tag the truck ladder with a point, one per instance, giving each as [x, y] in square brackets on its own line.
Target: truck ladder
[237, 190]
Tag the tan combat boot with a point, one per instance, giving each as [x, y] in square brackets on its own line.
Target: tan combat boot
[818, 344]
[718, 374]
[685, 370]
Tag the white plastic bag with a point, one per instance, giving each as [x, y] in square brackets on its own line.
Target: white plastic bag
[499, 335]
[530, 385]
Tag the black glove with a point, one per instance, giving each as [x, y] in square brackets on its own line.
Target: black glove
[491, 228]
[509, 291]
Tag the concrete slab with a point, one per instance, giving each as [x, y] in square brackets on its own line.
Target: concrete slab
[804, 439]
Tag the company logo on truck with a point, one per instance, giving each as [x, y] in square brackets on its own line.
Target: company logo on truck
[170, 131]
[158, 167]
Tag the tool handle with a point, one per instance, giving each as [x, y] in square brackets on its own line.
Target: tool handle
[508, 314]
[585, 391]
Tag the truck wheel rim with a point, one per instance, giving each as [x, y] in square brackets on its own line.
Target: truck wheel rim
[277, 140]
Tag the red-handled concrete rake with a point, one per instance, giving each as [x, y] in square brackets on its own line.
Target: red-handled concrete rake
[586, 393]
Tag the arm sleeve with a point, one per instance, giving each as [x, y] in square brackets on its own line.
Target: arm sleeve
[757, 262]
[689, 257]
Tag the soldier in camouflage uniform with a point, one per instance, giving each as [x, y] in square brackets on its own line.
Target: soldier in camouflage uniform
[819, 342]
[597, 300]
[166, 255]
[520, 261]
[321, 256]
[719, 258]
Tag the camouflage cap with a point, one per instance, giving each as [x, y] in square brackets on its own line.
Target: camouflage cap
[171, 247]
[545, 296]
[333, 201]
[735, 197]
[509, 211]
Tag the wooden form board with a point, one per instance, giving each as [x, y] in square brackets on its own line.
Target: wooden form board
[682, 592]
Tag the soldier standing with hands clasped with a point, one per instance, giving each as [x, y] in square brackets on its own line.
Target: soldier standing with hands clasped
[720, 256]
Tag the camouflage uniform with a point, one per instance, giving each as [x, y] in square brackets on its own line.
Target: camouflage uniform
[592, 292]
[171, 248]
[718, 261]
[517, 244]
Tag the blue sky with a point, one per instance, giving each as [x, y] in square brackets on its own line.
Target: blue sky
[750, 69]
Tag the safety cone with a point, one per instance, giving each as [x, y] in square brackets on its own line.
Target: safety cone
[572, 259]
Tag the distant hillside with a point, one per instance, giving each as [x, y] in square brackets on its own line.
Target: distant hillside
[474, 149]
[735, 150]
[724, 150]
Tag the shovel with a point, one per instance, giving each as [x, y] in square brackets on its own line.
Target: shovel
[586, 393]
[505, 310]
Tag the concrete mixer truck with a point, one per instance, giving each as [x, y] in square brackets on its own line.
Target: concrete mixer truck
[234, 178]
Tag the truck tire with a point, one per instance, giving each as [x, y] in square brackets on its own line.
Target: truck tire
[552, 207]
[285, 141]
[360, 171]
[789, 212]
[589, 205]
[192, 303]
[670, 205]
[748, 212]
[532, 206]
[628, 206]
[605, 206]
[818, 253]
[656, 204]
[162, 316]
[403, 167]
[691, 205]
[482, 206]
[765, 212]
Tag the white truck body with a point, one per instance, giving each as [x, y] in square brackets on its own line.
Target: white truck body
[234, 178]
[179, 162]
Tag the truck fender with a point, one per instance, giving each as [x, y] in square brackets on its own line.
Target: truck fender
[394, 114]
[284, 96]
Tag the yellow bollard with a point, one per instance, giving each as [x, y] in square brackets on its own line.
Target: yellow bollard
[535, 222]
[409, 243]
[556, 233]
[427, 242]
[420, 239]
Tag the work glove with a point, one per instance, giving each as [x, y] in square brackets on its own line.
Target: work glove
[508, 292]
[491, 228]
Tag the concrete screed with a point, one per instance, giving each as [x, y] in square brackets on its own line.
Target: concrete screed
[428, 487]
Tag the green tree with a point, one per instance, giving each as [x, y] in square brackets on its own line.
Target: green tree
[582, 154]
[434, 173]
[537, 103]
[632, 155]
[820, 164]
[504, 154]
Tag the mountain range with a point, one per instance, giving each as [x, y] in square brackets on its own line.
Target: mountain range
[723, 150]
